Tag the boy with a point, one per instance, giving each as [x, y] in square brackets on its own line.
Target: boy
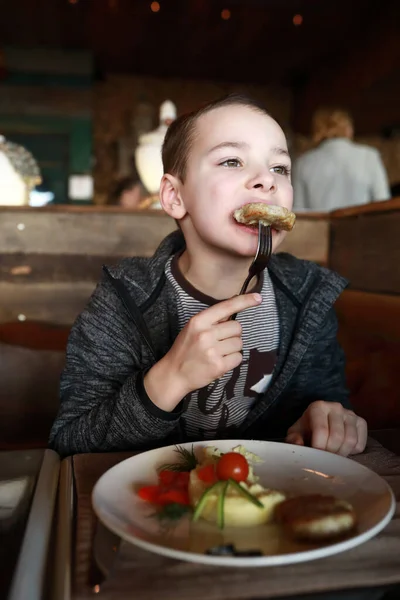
[155, 358]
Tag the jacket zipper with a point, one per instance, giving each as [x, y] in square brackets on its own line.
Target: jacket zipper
[133, 311]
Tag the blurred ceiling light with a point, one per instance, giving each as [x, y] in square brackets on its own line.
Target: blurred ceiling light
[113, 4]
[297, 20]
[155, 6]
[226, 14]
[73, 1]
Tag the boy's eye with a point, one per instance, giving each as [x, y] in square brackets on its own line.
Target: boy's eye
[281, 170]
[231, 163]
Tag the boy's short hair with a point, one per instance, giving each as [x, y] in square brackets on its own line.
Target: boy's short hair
[180, 134]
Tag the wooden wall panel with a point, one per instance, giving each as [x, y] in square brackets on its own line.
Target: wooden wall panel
[79, 231]
[309, 239]
[109, 231]
[21, 268]
[51, 258]
[58, 303]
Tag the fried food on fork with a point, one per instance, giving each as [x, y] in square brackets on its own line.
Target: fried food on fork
[277, 217]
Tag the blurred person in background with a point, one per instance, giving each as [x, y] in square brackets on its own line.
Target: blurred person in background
[337, 173]
[127, 193]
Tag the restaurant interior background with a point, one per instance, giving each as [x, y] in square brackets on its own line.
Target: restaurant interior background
[81, 80]
[81, 83]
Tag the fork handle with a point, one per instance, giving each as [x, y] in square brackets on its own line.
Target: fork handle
[242, 291]
[246, 283]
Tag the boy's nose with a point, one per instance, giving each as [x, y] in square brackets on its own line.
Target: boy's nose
[264, 180]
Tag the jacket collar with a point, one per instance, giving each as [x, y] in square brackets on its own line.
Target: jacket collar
[292, 276]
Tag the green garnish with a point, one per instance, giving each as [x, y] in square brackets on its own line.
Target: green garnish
[172, 511]
[221, 500]
[202, 502]
[188, 462]
[253, 499]
[221, 506]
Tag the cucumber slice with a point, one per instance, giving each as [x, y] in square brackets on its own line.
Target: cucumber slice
[221, 506]
[202, 502]
[246, 494]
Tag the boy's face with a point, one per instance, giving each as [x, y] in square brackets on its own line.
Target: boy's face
[238, 156]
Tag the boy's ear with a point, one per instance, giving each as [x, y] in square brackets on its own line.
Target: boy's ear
[171, 198]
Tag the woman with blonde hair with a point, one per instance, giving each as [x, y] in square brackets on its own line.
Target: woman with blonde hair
[337, 172]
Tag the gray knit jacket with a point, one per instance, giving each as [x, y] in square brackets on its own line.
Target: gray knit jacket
[131, 321]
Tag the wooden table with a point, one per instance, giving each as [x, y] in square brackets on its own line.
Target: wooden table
[375, 564]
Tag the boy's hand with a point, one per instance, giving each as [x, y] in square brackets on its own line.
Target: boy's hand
[328, 426]
[207, 347]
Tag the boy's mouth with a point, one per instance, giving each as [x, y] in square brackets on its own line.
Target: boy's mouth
[253, 228]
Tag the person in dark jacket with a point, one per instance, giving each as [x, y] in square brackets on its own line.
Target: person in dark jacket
[155, 359]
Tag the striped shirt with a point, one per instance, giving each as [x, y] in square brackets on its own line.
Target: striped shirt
[223, 405]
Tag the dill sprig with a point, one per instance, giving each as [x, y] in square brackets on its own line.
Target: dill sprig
[172, 512]
[188, 461]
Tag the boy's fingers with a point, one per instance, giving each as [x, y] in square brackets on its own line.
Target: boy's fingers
[295, 438]
[319, 429]
[336, 431]
[297, 432]
[228, 329]
[225, 309]
[362, 435]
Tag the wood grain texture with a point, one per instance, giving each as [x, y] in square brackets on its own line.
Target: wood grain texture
[374, 207]
[111, 231]
[151, 575]
[58, 303]
[88, 232]
[41, 268]
[309, 239]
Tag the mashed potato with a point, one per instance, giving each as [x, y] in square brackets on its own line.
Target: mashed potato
[238, 511]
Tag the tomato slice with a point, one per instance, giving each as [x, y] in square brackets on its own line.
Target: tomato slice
[182, 479]
[166, 477]
[173, 497]
[232, 465]
[207, 474]
[150, 493]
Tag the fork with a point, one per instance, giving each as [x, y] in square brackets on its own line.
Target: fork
[263, 254]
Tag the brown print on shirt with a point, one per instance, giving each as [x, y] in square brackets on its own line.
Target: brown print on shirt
[259, 373]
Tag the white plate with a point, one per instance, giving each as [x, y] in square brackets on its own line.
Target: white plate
[294, 469]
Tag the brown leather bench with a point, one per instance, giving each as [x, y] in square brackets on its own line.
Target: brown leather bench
[369, 332]
[32, 357]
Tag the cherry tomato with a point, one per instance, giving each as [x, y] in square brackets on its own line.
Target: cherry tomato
[182, 479]
[207, 474]
[166, 477]
[232, 465]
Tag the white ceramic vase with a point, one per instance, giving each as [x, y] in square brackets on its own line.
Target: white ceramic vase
[148, 152]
